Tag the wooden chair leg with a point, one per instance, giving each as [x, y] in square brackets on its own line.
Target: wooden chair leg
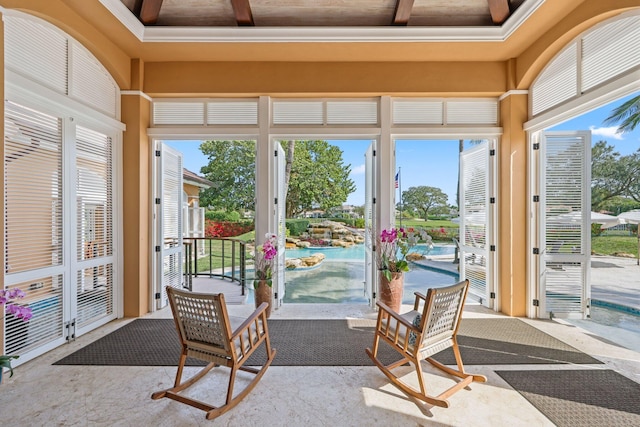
[231, 403]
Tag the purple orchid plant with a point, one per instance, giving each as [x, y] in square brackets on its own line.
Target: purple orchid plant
[7, 298]
[265, 259]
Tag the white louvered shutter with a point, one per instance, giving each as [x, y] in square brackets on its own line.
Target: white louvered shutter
[427, 112]
[178, 113]
[474, 219]
[279, 221]
[33, 224]
[610, 51]
[558, 82]
[370, 267]
[352, 112]
[170, 217]
[94, 232]
[232, 113]
[566, 250]
[298, 112]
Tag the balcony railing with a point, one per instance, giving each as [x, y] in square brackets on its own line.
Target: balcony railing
[218, 257]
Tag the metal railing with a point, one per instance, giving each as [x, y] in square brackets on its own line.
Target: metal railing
[224, 258]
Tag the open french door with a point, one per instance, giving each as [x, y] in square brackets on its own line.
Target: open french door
[477, 216]
[168, 222]
[370, 267]
[59, 226]
[279, 222]
[564, 247]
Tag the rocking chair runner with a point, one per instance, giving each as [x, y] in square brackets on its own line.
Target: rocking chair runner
[418, 335]
[205, 333]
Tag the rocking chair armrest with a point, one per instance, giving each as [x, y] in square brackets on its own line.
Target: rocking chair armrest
[395, 315]
[419, 297]
[259, 312]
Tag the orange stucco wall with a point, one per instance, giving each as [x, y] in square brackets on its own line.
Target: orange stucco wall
[512, 207]
[193, 192]
[324, 79]
[136, 196]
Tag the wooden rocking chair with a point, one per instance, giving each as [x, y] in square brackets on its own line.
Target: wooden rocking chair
[419, 334]
[206, 333]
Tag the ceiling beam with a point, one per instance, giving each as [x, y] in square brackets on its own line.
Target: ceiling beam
[499, 10]
[137, 7]
[242, 11]
[150, 11]
[403, 12]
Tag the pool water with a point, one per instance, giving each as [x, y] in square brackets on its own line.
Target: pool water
[339, 279]
[356, 252]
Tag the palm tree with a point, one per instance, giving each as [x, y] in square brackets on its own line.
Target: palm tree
[627, 115]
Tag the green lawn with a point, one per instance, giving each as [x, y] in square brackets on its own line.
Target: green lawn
[432, 223]
[601, 245]
[610, 245]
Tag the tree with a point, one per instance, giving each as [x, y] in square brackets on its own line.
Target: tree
[318, 178]
[424, 198]
[315, 175]
[232, 167]
[613, 175]
[627, 115]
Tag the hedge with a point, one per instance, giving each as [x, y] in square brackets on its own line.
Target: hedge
[297, 226]
[222, 216]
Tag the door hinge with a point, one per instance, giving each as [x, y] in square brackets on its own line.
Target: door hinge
[276, 295]
[536, 198]
[492, 199]
[373, 248]
[374, 152]
[275, 153]
[158, 200]
[492, 295]
[374, 200]
[536, 146]
[275, 201]
[374, 295]
[492, 152]
[536, 303]
[157, 295]
[492, 248]
[158, 153]
[536, 251]
[70, 326]
[157, 248]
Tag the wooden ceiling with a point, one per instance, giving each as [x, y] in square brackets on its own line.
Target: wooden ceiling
[323, 13]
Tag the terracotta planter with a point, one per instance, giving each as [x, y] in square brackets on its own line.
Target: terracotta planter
[263, 293]
[391, 290]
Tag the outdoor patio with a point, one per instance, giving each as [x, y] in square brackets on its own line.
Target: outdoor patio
[41, 393]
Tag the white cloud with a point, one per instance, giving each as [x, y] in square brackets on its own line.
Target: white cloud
[609, 132]
[358, 170]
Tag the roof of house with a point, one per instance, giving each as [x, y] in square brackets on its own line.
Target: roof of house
[193, 178]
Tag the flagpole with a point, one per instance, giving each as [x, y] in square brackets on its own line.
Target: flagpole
[400, 190]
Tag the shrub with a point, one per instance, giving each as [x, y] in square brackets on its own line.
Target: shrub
[222, 216]
[215, 229]
[596, 229]
[441, 234]
[297, 226]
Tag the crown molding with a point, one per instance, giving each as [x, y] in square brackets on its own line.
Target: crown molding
[319, 34]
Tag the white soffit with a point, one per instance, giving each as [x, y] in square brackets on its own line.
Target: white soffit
[302, 34]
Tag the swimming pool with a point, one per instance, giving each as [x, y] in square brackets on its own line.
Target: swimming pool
[340, 277]
[356, 252]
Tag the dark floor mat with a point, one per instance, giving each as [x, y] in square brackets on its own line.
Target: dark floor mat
[154, 342]
[581, 397]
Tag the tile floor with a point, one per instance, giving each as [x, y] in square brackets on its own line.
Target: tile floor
[41, 394]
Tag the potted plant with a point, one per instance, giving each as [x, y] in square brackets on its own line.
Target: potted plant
[393, 245]
[7, 298]
[264, 262]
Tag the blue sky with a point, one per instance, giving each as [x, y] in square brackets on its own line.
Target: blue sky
[435, 162]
